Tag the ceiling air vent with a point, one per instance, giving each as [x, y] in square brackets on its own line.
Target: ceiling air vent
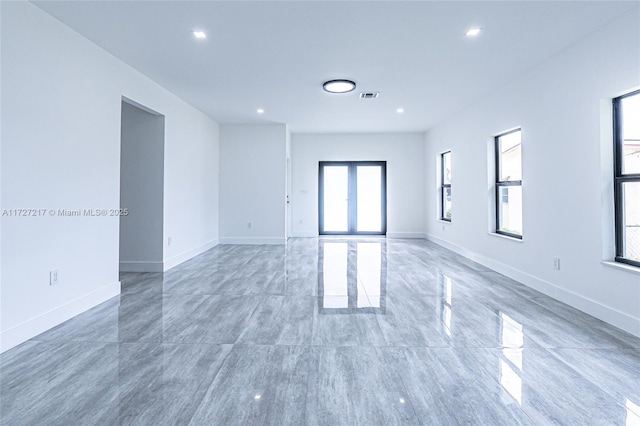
[369, 95]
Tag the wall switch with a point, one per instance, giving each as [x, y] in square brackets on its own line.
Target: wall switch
[169, 241]
[556, 263]
[53, 277]
[249, 225]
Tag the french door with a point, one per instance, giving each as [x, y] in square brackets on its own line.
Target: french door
[352, 198]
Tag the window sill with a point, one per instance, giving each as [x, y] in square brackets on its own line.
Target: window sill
[448, 222]
[622, 266]
[506, 237]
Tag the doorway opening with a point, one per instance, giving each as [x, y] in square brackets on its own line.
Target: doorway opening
[352, 198]
[141, 188]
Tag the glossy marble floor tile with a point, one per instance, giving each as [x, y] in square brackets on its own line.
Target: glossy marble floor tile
[448, 386]
[258, 385]
[357, 386]
[206, 319]
[60, 383]
[280, 320]
[414, 321]
[548, 390]
[328, 331]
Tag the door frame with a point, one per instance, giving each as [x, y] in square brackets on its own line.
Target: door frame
[352, 206]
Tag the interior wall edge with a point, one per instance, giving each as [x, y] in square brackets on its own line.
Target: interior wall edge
[142, 266]
[409, 235]
[32, 327]
[253, 240]
[188, 254]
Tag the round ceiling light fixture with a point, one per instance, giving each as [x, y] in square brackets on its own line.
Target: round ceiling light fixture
[339, 86]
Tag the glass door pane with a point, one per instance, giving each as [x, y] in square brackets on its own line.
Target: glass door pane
[369, 190]
[336, 198]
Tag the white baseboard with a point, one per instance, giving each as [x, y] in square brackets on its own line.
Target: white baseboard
[594, 308]
[132, 266]
[31, 328]
[188, 254]
[406, 235]
[304, 234]
[251, 240]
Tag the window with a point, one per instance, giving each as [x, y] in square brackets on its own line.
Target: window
[445, 186]
[626, 133]
[508, 149]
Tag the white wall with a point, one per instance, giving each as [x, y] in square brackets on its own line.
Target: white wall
[252, 183]
[191, 183]
[404, 154]
[141, 190]
[566, 138]
[61, 101]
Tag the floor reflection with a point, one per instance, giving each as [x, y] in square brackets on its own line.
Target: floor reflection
[445, 306]
[510, 362]
[633, 413]
[352, 276]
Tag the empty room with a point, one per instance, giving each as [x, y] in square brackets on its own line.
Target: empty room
[319, 212]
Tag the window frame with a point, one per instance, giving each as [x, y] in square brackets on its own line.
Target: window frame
[619, 178]
[444, 186]
[504, 183]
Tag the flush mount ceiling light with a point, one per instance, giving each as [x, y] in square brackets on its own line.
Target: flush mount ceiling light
[400, 110]
[260, 111]
[472, 32]
[199, 34]
[339, 86]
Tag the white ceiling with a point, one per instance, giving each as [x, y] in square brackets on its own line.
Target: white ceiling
[276, 55]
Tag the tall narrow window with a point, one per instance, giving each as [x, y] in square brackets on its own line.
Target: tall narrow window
[509, 183]
[445, 186]
[626, 128]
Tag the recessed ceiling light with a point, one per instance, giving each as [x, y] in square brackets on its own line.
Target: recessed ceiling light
[400, 110]
[339, 86]
[472, 32]
[199, 34]
[260, 111]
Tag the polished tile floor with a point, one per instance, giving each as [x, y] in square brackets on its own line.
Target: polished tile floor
[325, 332]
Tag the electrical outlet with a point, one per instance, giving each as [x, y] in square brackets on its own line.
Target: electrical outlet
[556, 263]
[249, 225]
[169, 241]
[53, 277]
